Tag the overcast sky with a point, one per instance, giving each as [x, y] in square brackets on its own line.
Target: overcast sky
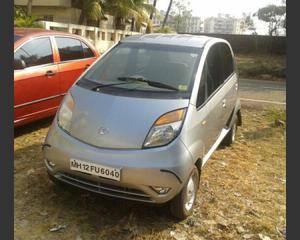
[213, 7]
[209, 8]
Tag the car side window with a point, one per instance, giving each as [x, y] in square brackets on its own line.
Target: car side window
[34, 53]
[214, 69]
[69, 48]
[203, 88]
[214, 72]
[87, 52]
[227, 60]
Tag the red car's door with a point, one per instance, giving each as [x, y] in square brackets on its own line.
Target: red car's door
[36, 81]
[75, 57]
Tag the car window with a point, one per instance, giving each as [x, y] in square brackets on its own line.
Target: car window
[34, 53]
[174, 66]
[227, 60]
[69, 48]
[214, 69]
[87, 52]
[203, 87]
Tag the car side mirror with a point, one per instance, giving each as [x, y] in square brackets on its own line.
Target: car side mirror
[19, 64]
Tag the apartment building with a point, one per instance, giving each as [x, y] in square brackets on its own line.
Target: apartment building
[192, 25]
[224, 23]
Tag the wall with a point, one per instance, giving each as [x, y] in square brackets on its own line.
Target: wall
[64, 15]
[102, 38]
[46, 3]
[253, 43]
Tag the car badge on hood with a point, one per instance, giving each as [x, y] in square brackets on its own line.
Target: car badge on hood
[103, 131]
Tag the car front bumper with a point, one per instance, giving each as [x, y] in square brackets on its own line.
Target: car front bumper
[141, 169]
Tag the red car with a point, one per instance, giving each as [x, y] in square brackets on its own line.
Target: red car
[46, 64]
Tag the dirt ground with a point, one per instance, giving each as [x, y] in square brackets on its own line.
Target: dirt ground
[241, 195]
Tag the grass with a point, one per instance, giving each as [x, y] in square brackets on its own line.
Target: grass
[241, 195]
[265, 67]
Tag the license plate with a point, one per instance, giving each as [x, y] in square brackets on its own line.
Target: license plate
[95, 169]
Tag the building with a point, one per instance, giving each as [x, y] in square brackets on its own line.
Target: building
[222, 24]
[52, 10]
[192, 25]
[62, 11]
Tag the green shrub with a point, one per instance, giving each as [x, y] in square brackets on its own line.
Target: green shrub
[163, 30]
[27, 21]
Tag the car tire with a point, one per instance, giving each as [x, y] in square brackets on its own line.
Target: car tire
[183, 204]
[231, 135]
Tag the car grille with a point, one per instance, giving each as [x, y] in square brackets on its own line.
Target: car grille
[105, 189]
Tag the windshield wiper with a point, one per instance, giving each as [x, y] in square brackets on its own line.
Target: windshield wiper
[96, 88]
[149, 82]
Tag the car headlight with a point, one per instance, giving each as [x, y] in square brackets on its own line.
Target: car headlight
[165, 129]
[65, 112]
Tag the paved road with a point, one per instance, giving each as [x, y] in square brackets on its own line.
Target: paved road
[262, 92]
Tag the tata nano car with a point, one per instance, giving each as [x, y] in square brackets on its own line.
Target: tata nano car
[144, 119]
[46, 64]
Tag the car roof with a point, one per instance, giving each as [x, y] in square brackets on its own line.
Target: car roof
[29, 32]
[170, 39]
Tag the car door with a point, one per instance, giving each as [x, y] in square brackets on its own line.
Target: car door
[75, 57]
[206, 123]
[36, 82]
[230, 87]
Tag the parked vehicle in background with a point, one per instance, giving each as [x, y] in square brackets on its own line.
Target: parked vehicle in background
[145, 118]
[46, 64]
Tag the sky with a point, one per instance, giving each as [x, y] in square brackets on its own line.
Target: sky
[213, 7]
[209, 8]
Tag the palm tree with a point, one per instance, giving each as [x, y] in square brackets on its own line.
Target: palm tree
[154, 5]
[167, 13]
[136, 10]
[91, 10]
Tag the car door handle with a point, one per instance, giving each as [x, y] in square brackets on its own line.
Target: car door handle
[87, 66]
[50, 73]
[224, 103]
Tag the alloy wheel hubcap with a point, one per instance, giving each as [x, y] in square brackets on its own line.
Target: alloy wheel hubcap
[190, 194]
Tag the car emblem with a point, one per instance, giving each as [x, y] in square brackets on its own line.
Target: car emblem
[103, 131]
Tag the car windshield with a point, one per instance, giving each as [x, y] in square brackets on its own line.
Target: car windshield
[146, 67]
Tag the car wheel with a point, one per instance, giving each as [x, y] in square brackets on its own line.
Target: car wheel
[183, 204]
[231, 135]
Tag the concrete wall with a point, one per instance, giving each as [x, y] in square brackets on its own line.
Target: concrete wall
[253, 43]
[46, 3]
[102, 38]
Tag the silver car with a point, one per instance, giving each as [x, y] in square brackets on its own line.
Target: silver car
[143, 120]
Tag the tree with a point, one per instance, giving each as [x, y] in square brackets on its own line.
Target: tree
[91, 10]
[167, 13]
[154, 6]
[21, 19]
[149, 28]
[136, 10]
[274, 15]
[180, 15]
[247, 22]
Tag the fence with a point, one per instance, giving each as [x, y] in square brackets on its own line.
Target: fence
[253, 43]
[101, 38]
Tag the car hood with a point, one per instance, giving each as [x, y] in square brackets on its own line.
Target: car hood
[116, 122]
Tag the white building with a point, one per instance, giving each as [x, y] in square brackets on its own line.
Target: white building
[193, 25]
[222, 24]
